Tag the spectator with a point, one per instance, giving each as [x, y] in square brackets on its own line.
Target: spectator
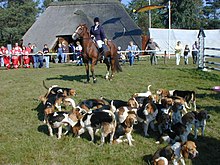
[151, 47]
[78, 53]
[46, 57]
[133, 51]
[6, 57]
[16, 52]
[72, 50]
[60, 56]
[1, 57]
[178, 52]
[65, 51]
[30, 50]
[121, 56]
[186, 53]
[195, 50]
[26, 58]
[37, 57]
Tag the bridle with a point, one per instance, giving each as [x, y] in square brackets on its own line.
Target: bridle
[79, 33]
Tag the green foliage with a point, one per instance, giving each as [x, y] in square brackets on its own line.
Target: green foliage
[16, 17]
[24, 138]
[185, 14]
[142, 19]
[212, 14]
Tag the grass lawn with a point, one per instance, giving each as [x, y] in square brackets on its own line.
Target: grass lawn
[24, 138]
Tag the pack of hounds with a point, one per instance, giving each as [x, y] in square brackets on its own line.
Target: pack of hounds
[172, 113]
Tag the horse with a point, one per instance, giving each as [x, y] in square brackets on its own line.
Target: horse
[91, 53]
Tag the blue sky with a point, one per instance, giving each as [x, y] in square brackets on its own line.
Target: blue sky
[125, 1]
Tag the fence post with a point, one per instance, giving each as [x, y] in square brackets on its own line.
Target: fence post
[201, 37]
[165, 56]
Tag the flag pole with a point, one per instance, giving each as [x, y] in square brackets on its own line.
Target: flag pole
[169, 29]
[149, 15]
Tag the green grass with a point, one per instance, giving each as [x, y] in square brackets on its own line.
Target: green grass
[24, 138]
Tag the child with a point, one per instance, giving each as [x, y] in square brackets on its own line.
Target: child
[78, 53]
[121, 56]
[185, 53]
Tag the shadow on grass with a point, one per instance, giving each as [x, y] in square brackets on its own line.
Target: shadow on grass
[208, 148]
[43, 128]
[39, 109]
[79, 78]
[40, 115]
[209, 94]
[201, 74]
[196, 73]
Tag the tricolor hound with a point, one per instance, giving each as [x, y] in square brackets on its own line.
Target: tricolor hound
[177, 152]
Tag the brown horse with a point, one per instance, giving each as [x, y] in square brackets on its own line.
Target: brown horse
[91, 53]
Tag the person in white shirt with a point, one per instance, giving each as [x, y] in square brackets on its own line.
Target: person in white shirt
[78, 50]
[178, 52]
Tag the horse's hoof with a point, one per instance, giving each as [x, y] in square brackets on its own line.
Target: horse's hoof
[95, 81]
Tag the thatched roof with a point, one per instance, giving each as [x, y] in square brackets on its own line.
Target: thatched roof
[62, 18]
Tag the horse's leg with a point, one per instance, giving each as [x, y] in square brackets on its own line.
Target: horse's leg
[112, 68]
[87, 71]
[106, 61]
[93, 70]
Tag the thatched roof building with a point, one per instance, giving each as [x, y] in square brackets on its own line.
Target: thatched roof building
[60, 19]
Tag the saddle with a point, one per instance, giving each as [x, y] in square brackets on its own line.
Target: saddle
[102, 51]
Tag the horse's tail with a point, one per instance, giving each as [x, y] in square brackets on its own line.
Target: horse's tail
[116, 59]
[117, 65]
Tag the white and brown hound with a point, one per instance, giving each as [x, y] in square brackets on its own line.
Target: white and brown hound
[177, 152]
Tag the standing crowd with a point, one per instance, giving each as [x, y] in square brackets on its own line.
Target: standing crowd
[21, 56]
[152, 48]
[186, 51]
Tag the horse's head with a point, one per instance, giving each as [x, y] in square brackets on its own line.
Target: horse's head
[80, 32]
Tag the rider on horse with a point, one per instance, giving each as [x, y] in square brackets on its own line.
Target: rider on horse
[98, 34]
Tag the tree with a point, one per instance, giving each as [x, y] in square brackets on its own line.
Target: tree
[185, 14]
[16, 17]
[46, 4]
[142, 19]
[212, 14]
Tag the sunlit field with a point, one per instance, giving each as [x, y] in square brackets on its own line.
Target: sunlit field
[24, 137]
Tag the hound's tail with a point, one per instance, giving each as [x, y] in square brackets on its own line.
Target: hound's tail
[45, 85]
[148, 88]
[107, 100]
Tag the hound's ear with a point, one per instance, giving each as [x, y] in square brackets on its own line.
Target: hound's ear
[43, 99]
[128, 123]
[65, 93]
[185, 151]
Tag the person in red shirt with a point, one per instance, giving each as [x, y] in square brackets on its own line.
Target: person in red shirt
[26, 59]
[6, 56]
[16, 52]
[30, 50]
